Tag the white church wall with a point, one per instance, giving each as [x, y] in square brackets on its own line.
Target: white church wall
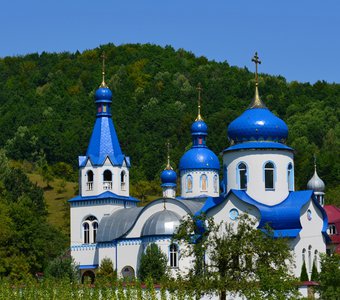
[255, 161]
[128, 254]
[107, 250]
[80, 211]
[197, 189]
[310, 238]
[85, 255]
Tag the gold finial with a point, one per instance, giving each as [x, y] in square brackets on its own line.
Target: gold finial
[103, 84]
[199, 89]
[257, 102]
[168, 166]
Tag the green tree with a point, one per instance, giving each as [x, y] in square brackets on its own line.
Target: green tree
[240, 259]
[62, 267]
[106, 271]
[304, 274]
[153, 264]
[315, 273]
[329, 277]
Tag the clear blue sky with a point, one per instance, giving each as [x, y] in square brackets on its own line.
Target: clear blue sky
[298, 39]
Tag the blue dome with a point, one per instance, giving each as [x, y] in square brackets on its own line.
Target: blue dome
[103, 93]
[199, 128]
[257, 124]
[168, 176]
[199, 158]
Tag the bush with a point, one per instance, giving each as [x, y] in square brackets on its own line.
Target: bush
[153, 264]
[106, 271]
[62, 267]
[304, 275]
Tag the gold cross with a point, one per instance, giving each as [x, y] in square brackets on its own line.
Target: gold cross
[256, 60]
[103, 56]
[199, 89]
[168, 166]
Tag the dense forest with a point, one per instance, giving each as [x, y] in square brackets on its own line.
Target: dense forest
[47, 108]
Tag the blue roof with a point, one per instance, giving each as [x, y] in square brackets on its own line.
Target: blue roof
[104, 143]
[199, 158]
[105, 195]
[199, 127]
[168, 176]
[256, 124]
[283, 218]
[258, 145]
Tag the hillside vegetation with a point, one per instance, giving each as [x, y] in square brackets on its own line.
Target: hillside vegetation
[47, 108]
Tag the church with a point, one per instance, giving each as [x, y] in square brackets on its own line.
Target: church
[256, 177]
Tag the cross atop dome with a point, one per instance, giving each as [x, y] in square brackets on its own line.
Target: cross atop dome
[257, 102]
[103, 84]
[168, 166]
[199, 89]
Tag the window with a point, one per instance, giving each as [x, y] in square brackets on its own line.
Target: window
[215, 184]
[204, 182]
[86, 227]
[303, 255]
[173, 256]
[309, 258]
[242, 176]
[316, 256]
[331, 229]
[90, 227]
[89, 183]
[107, 180]
[94, 231]
[290, 175]
[122, 180]
[189, 183]
[269, 175]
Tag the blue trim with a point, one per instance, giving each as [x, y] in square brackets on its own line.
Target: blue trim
[284, 218]
[258, 145]
[83, 267]
[103, 196]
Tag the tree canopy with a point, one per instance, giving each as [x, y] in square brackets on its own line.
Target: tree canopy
[47, 105]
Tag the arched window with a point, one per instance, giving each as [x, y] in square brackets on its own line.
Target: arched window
[86, 227]
[303, 255]
[331, 229]
[316, 256]
[242, 176]
[90, 227]
[215, 184]
[89, 182]
[122, 180]
[290, 177]
[107, 180]
[94, 231]
[269, 170]
[204, 182]
[309, 258]
[189, 184]
[173, 256]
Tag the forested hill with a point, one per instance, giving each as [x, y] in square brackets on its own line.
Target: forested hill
[47, 104]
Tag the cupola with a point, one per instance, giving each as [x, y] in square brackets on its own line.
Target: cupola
[169, 179]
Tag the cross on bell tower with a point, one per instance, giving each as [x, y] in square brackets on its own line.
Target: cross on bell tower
[199, 89]
[257, 102]
[103, 56]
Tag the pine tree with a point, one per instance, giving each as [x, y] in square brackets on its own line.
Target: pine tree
[304, 275]
[152, 264]
[315, 273]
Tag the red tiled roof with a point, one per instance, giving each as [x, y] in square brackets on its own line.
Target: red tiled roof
[333, 213]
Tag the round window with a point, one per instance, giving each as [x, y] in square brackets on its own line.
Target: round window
[233, 214]
[309, 214]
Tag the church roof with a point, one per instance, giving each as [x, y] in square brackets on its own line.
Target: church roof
[316, 183]
[103, 196]
[258, 145]
[283, 218]
[120, 222]
[199, 158]
[162, 222]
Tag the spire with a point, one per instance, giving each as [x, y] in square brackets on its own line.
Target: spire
[103, 84]
[199, 89]
[314, 162]
[257, 102]
[168, 166]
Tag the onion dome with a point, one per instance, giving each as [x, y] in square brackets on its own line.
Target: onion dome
[103, 93]
[168, 176]
[199, 156]
[316, 183]
[257, 123]
[164, 222]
